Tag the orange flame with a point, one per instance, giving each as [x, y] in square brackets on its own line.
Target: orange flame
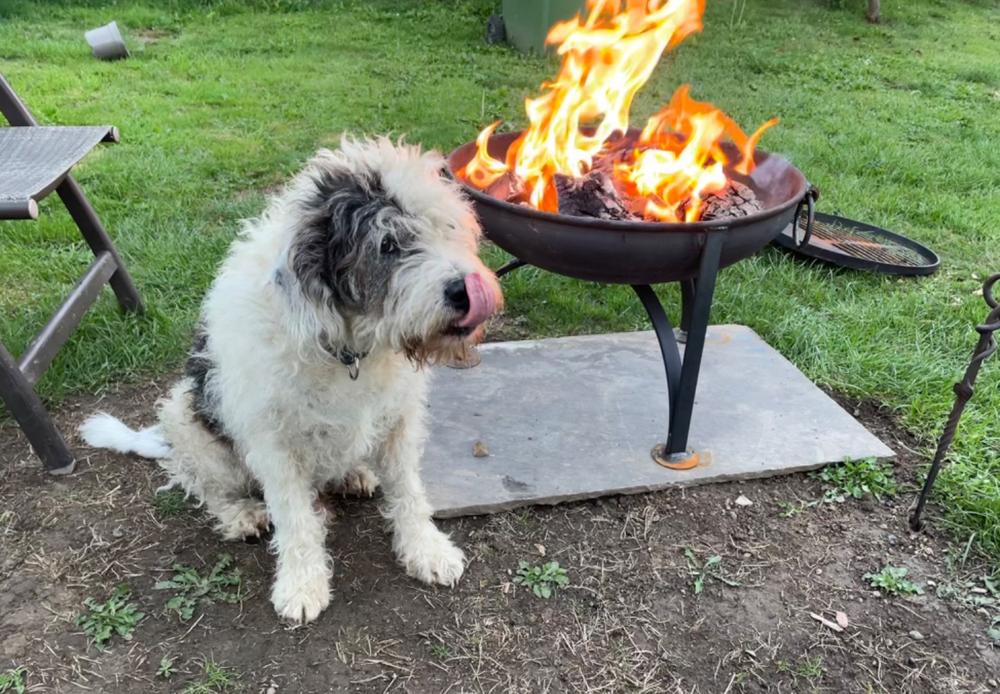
[483, 169]
[606, 59]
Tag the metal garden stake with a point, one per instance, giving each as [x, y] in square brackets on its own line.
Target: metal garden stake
[963, 392]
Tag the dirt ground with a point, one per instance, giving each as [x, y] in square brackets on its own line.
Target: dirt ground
[629, 620]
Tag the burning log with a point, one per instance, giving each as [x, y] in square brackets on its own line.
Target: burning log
[593, 195]
[735, 200]
[615, 152]
[508, 188]
[596, 194]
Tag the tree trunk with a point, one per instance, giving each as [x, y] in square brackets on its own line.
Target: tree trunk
[874, 11]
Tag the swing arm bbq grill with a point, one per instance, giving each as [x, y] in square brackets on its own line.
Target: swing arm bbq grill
[641, 253]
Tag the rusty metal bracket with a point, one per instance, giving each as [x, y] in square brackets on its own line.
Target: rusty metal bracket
[808, 202]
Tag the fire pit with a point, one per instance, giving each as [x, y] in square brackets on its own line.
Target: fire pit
[635, 252]
[643, 253]
[581, 194]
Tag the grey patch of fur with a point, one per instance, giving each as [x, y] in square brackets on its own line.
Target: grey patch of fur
[199, 369]
[352, 236]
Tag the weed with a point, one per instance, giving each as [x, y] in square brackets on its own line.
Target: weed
[13, 681]
[170, 503]
[984, 599]
[543, 580]
[166, 669]
[214, 678]
[440, 651]
[856, 479]
[970, 594]
[102, 620]
[223, 584]
[892, 580]
[790, 509]
[809, 669]
[712, 568]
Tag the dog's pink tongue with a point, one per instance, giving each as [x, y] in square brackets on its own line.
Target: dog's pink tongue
[482, 301]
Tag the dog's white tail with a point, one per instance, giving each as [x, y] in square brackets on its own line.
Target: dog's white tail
[104, 431]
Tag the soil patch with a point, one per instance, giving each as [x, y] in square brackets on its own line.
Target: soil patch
[630, 619]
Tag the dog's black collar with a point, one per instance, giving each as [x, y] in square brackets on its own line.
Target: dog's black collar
[346, 356]
[352, 360]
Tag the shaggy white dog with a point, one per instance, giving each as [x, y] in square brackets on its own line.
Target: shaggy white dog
[308, 366]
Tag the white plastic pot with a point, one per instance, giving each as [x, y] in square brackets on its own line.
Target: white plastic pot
[107, 42]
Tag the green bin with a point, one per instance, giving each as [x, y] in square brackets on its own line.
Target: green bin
[528, 21]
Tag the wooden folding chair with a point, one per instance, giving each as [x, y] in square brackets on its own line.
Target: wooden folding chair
[34, 161]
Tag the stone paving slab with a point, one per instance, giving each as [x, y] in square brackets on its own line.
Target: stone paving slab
[576, 417]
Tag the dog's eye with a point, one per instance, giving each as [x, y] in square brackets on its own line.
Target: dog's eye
[389, 246]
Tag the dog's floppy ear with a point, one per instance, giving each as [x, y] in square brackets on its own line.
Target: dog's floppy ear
[327, 244]
[319, 328]
[340, 216]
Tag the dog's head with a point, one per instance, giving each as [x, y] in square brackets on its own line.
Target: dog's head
[387, 245]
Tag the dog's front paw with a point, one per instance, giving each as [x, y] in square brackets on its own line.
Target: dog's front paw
[429, 556]
[242, 520]
[300, 599]
[358, 482]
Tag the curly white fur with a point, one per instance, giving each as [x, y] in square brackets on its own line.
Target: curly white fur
[293, 418]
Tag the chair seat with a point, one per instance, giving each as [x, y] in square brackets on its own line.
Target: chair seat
[34, 160]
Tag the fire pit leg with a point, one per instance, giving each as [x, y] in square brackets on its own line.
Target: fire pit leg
[665, 335]
[509, 266]
[682, 375]
[701, 309]
[687, 305]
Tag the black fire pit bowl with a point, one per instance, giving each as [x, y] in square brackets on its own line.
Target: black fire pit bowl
[635, 252]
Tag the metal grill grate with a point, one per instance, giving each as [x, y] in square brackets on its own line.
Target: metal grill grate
[861, 246]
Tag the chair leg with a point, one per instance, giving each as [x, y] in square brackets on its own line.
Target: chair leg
[99, 241]
[35, 421]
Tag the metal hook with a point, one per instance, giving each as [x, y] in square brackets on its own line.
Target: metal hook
[809, 202]
[988, 290]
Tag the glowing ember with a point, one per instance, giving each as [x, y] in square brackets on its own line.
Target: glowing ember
[606, 58]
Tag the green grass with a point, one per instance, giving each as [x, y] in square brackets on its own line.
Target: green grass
[101, 621]
[440, 651]
[897, 125]
[170, 503]
[214, 678]
[809, 669]
[891, 580]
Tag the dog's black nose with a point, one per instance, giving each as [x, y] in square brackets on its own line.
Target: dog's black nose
[456, 296]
